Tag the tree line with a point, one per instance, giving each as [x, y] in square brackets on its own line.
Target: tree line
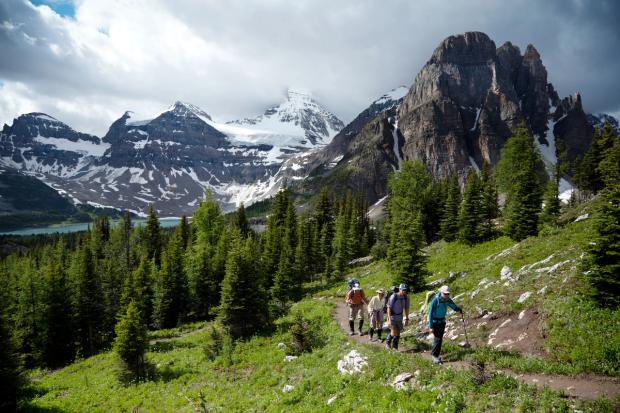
[61, 301]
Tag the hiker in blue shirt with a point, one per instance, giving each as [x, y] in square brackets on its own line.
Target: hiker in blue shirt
[397, 304]
[437, 319]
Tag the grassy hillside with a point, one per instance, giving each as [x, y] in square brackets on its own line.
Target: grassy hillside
[252, 376]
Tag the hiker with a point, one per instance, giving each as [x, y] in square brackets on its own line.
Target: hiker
[356, 299]
[397, 304]
[375, 313]
[437, 319]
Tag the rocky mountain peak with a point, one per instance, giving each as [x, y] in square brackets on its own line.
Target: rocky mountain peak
[179, 108]
[467, 48]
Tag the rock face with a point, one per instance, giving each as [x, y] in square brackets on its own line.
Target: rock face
[170, 160]
[470, 95]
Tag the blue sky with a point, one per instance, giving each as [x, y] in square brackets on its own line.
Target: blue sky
[65, 8]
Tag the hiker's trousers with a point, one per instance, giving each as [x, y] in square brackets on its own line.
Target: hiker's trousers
[354, 310]
[438, 330]
[376, 318]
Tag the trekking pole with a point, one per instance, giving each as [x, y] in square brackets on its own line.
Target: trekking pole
[467, 345]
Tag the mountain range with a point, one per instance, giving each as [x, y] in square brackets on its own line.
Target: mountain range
[457, 114]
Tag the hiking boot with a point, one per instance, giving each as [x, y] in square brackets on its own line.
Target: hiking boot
[352, 333]
[361, 333]
[436, 360]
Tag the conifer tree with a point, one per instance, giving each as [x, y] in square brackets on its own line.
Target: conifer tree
[29, 312]
[9, 365]
[204, 287]
[132, 340]
[59, 323]
[519, 167]
[171, 296]
[449, 221]
[139, 288]
[408, 262]
[323, 232]
[89, 305]
[243, 307]
[304, 250]
[604, 252]
[340, 251]
[240, 221]
[184, 232]
[471, 210]
[152, 240]
[552, 205]
[208, 221]
[490, 204]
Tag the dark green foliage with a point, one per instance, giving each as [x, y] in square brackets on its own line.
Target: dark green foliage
[171, 298]
[240, 221]
[29, 312]
[89, 305]
[139, 288]
[407, 261]
[214, 346]
[301, 335]
[449, 220]
[184, 232]
[204, 287]
[208, 221]
[9, 364]
[151, 237]
[59, 323]
[490, 204]
[519, 177]
[471, 211]
[131, 340]
[243, 308]
[552, 206]
[604, 253]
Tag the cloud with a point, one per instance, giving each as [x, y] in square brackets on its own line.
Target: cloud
[236, 58]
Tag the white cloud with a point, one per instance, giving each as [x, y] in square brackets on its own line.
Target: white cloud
[235, 58]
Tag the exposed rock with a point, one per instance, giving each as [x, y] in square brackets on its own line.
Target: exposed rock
[582, 217]
[352, 363]
[358, 262]
[542, 291]
[524, 296]
[506, 273]
[281, 346]
[405, 380]
[331, 400]
[290, 358]
[288, 388]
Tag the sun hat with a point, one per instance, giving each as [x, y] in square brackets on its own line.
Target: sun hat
[444, 289]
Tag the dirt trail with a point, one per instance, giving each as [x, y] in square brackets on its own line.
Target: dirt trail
[581, 386]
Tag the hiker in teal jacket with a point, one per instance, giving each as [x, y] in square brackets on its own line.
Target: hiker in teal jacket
[437, 319]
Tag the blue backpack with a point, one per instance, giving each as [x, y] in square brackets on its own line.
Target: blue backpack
[351, 283]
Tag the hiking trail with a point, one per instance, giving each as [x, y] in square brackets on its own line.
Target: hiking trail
[583, 386]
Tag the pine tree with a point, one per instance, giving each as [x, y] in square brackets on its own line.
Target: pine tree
[204, 287]
[340, 256]
[152, 240]
[59, 323]
[490, 204]
[139, 288]
[29, 312]
[471, 210]
[9, 365]
[184, 232]
[304, 250]
[240, 221]
[449, 221]
[552, 206]
[171, 298]
[323, 232]
[243, 307]
[132, 340]
[89, 305]
[604, 252]
[408, 262]
[519, 167]
[208, 221]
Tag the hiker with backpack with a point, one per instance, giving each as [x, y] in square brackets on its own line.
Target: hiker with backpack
[375, 314]
[437, 319]
[356, 299]
[397, 304]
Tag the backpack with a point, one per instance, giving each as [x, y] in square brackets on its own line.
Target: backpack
[351, 283]
[390, 291]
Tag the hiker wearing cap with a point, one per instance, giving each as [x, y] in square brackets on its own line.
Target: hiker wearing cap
[356, 299]
[397, 305]
[375, 313]
[437, 319]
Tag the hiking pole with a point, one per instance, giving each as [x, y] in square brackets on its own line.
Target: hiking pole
[467, 345]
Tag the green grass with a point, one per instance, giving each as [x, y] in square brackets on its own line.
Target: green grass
[251, 378]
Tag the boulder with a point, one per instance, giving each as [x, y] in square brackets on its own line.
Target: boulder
[352, 363]
[288, 359]
[524, 296]
[506, 273]
[288, 388]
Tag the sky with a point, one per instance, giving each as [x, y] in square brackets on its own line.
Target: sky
[86, 62]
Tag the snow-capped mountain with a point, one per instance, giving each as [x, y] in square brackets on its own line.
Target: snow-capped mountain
[300, 119]
[597, 120]
[169, 160]
[42, 144]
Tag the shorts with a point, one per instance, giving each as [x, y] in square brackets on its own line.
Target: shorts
[397, 326]
[354, 309]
